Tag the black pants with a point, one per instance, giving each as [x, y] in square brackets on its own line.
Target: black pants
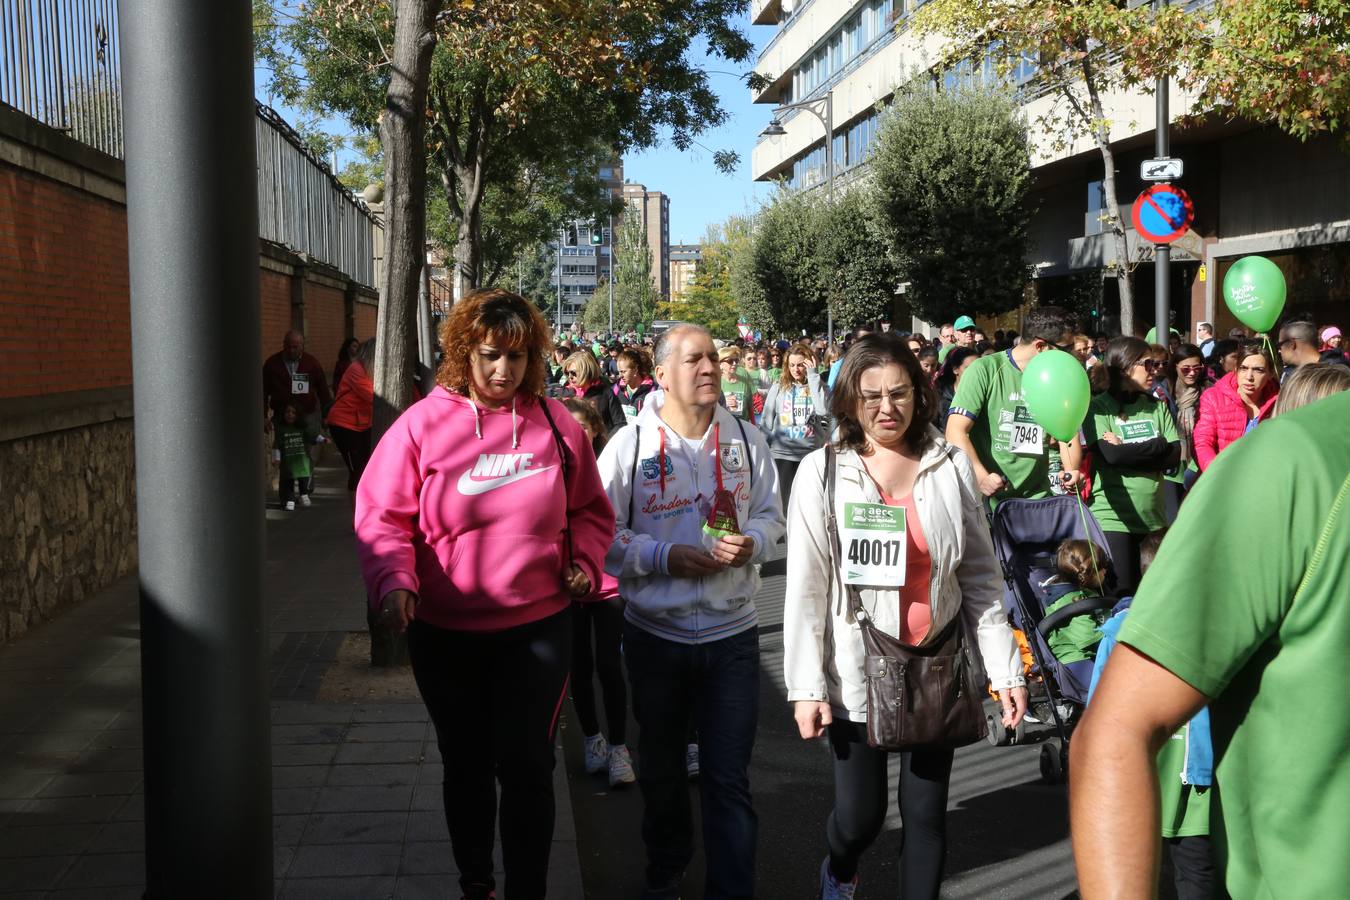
[598, 634]
[354, 447]
[1124, 550]
[494, 699]
[860, 788]
[291, 487]
[1193, 863]
[787, 470]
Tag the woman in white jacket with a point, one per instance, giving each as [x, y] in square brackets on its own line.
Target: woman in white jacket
[886, 452]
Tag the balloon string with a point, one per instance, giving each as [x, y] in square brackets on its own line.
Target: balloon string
[1270, 351]
[1087, 535]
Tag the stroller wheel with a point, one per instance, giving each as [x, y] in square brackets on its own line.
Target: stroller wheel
[1020, 732]
[997, 735]
[1054, 762]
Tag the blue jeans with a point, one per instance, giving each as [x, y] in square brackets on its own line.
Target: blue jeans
[718, 685]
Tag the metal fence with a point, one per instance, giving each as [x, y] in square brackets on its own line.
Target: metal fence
[59, 63]
[303, 206]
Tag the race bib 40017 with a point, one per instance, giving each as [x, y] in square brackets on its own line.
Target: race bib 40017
[872, 536]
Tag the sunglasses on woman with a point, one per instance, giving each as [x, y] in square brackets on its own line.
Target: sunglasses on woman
[1190, 370]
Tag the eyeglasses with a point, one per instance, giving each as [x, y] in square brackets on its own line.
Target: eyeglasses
[1190, 370]
[898, 397]
[1149, 364]
[1287, 342]
[570, 374]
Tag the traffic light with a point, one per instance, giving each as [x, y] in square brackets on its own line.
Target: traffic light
[571, 234]
[597, 237]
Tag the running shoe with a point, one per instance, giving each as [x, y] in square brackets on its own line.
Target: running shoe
[597, 754]
[620, 766]
[305, 501]
[290, 506]
[833, 890]
[691, 761]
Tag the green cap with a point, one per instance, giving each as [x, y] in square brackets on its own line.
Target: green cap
[964, 322]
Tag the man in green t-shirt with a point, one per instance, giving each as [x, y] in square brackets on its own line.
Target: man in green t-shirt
[1245, 609]
[1008, 450]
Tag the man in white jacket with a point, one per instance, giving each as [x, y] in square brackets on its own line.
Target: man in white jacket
[690, 636]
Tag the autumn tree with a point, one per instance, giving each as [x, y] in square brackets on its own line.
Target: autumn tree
[635, 295]
[709, 299]
[949, 188]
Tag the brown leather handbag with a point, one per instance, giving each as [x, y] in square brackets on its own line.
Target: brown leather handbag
[918, 697]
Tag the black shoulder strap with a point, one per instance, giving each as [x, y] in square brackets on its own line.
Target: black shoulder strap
[566, 474]
[746, 442]
[632, 478]
[832, 526]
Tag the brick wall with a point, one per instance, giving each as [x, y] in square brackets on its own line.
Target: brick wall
[274, 290]
[325, 323]
[365, 321]
[63, 288]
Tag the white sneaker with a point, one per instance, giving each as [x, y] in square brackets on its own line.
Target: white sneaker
[305, 501]
[290, 506]
[597, 754]
[691, 761]
[833, 890]
[620, 766]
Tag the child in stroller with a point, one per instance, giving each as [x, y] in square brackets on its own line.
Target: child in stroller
[1082, 572]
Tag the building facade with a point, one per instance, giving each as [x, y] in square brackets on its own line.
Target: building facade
[1255, 190]
[684, 260]
[583, 253]
[653, 208]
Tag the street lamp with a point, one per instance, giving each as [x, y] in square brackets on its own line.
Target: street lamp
[775, 129]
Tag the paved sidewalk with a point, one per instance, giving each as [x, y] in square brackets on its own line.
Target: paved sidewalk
[357, 780]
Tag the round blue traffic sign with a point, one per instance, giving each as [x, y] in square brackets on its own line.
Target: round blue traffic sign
[1162, 213]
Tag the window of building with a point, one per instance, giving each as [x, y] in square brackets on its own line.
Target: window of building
[1094, 221]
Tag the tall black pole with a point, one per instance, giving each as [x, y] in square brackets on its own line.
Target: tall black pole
[192, 218]
[1162, 254]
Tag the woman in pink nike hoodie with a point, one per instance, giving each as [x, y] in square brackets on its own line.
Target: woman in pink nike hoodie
[479, 518]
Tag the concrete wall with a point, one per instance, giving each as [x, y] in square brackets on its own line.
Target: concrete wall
[67, 461]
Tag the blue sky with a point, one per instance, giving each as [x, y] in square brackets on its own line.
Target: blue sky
[699, 194]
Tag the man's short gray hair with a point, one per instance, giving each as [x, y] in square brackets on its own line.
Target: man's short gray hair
[665, 344]
[1300, 330]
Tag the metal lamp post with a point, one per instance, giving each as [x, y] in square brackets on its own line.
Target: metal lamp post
[775, 129]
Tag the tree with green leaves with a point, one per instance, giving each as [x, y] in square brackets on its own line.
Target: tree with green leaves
[635, 295]
[781, 273]
[709, 299]
[515, 84]
[1083, 52]
[951, 174]
[860, 273]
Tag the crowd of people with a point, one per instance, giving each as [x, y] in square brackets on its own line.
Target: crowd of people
[556, 512]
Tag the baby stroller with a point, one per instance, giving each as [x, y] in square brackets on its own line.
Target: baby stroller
[1027, 534]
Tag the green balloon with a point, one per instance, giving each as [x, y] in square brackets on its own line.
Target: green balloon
[1254, 291]
[1055, 388]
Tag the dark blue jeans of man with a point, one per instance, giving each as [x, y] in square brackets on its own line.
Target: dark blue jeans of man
[718, 685]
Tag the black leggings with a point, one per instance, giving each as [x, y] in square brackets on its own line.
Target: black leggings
[1124, 549]
[494, 699]
[605, 619]
[354, 447]
[860, 789]
[787, 470]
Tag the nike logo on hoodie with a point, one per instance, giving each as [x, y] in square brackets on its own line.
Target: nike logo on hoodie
[495, 470]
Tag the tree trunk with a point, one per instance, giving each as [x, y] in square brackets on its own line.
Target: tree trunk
[1102, 133]
[403, 134]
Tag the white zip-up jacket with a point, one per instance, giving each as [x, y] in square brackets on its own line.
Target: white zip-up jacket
[823, 648]
[667, 503]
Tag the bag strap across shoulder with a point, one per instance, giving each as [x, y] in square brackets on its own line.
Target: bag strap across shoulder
[855, 605]
[566, 474]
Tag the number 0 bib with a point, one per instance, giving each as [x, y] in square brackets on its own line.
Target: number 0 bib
[873, 539]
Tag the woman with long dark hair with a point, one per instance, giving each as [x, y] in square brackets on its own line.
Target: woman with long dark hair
[349, 419]
[1134, 441]
[1240, 400]
[350, 347]
[958, 360]
[888, 454]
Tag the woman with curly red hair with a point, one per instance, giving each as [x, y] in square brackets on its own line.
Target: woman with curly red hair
[479, 519]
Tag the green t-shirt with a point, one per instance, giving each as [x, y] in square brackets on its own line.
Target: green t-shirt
[293, 441]
[1126, 499]
[1247, 603]
[775, 375]
[1077, 639]
[737, 396]
[1006, 437]
[1185, 809]
[943, 351]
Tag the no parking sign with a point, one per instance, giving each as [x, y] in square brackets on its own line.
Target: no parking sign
[1162, 213]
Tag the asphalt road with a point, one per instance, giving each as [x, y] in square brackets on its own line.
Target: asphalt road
[1007, 832]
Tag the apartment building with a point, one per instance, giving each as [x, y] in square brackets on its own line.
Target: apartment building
[582, 253]
[1254, 189]
[684, 260]
[653, 209]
